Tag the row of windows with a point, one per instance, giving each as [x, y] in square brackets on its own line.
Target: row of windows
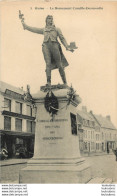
[18, 107]
[92, 146]
[89, 146]
[18, 124]
[109, 136]
[88, 123]
[89, 134]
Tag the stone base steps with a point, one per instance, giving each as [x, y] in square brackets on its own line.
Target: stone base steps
[96, 180]
[9, 182]
[99, 180]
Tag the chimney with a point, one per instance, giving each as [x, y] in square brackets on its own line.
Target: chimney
[84, 108]
[108, 118]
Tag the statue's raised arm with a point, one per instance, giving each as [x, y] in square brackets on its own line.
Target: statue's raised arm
[32, 29]
[26, 27]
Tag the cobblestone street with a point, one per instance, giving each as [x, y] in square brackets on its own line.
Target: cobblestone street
[10, 174]
[101, 166]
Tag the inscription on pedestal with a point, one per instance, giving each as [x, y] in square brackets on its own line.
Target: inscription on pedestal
[47, 127]
[52, 138]
[51, 131]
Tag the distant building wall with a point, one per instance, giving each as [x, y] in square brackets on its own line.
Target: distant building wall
[96, 138]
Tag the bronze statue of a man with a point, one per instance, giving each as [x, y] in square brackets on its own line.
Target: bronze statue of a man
[51, 48]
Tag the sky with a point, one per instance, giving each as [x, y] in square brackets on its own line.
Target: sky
[92, 67]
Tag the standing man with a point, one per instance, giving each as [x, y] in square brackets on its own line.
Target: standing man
[51, 48]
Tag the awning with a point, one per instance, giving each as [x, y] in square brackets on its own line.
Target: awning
[14, 133]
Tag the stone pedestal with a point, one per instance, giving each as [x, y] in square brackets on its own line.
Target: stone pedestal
[57, 156]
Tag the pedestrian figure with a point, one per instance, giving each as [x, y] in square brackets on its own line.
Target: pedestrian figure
[3, 154]
[115, 152]
[108, 150]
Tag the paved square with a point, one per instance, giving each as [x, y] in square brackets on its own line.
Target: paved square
[101, 166]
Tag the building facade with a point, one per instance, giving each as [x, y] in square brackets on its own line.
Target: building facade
[108, 132]
[86, 131]
[96, 133]
[17, 119]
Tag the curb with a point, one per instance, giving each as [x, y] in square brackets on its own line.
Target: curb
[92, 155]
[18, 163]
[86, 155]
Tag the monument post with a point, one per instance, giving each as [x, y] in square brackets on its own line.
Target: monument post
[57, 156]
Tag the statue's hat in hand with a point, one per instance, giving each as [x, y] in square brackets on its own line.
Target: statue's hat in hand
[73, 45]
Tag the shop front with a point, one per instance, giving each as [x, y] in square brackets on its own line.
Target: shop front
[18, 144]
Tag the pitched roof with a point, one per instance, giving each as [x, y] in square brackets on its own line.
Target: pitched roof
[104, 122]
[85, 115]
[4, 86]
